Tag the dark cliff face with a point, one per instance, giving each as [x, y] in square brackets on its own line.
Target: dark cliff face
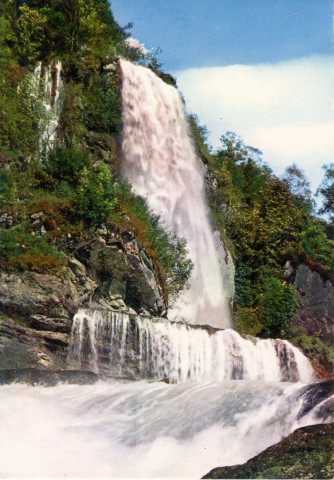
[316, 295]
[110, 272]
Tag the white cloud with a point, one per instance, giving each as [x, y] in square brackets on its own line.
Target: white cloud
[284, 109]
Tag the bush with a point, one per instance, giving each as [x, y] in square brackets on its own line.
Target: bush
[315, 349]
[244, 295]
[102, 106]
[93, 198]
[23, 251]
[66, 165]
[247, 321]
[278, 304]
[317, 245]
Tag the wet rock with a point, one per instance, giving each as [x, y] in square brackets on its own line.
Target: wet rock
[314, 394]
[33, 376]
[21, 346]
[306, 453]
[36, 310]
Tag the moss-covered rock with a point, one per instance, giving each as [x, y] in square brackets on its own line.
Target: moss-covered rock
[306, 453]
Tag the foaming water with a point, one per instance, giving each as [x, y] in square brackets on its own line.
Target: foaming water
[142, 429]
[159, 349]
[161, 164]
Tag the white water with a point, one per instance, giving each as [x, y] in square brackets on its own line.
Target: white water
[161, 164]
[138, 430]
[154, 430]
[52, 103]
[160, 349]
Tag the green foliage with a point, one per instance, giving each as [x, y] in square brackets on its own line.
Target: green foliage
[4, 187]
[268, 221]
[168, 252]
[66, 165]
[247, 321]
[200, 136]
[278, 304]
[316, 244]
[101, 105]
[244, 295]
[327, 190]
[31, 32]
[314, 348]
[93, 199]
[70, 174]
[22, 110]
[23, 251]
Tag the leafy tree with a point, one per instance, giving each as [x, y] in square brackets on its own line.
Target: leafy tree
[327, 190]
[316, 244]
[277, 305]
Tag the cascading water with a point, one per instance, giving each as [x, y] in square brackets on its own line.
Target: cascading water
[52, 103]
[159, 349]
[161, 164]
[230, 397]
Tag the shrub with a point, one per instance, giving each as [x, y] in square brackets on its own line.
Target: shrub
[247, 321]
[317, 245]
[277, 305]
[315, 349]
[244, 295]
[23, 251]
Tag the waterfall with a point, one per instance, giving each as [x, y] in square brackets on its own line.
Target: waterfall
[161, 164]
[52, 101]
[111, 342]
[224, 398]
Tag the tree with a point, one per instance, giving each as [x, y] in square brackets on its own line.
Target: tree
[327, 190]
[299, 185]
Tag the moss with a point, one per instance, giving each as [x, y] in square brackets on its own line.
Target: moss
[306, 453]
[320, 355]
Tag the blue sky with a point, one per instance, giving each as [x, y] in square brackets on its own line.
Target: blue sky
[261, 68]
[206, 33]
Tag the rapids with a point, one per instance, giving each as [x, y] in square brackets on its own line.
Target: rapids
[143, 430]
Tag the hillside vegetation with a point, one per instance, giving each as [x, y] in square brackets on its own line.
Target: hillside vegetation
[270, 224]
[73, 183]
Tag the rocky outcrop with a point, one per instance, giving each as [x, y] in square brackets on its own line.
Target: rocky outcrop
[109, 272]
[120, 268]
[316, 294]
[34, 377]
[306, 453]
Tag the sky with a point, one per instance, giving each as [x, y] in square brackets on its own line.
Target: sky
[263, 69]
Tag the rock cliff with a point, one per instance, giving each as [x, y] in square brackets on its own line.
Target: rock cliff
[316, 295]
[110, 271]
